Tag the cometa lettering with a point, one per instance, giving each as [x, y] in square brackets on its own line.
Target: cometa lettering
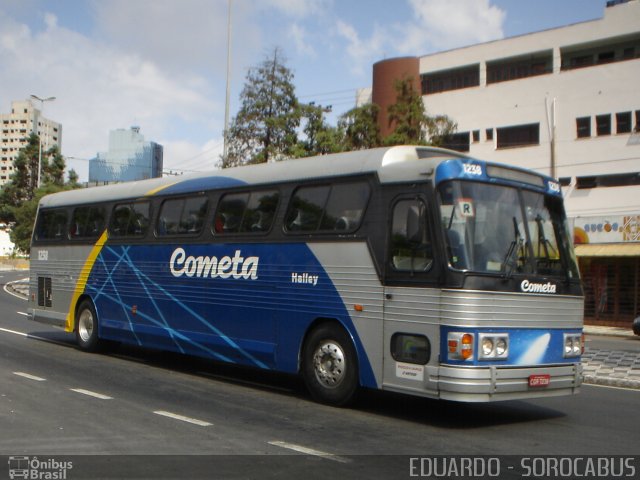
[213, 267]
[530, 287]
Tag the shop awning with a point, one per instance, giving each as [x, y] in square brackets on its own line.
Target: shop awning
[608, 250]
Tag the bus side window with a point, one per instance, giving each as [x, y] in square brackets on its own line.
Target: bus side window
[182, 216]
[130, 220]
[246, 212]
[87, 222]
[51, 225]
[306, 209]
[345, 207]
[336, 208]
[260, 211]
[410, 245]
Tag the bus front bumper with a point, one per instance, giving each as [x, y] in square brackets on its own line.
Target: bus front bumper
[493, 383]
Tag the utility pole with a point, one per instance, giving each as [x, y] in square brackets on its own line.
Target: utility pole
[551, 122]
[41, 100]
[226, 103]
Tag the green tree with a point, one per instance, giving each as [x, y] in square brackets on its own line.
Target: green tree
[413, 126]
[408, 116]
[359, 128]
[265, 128]
[320, 138]
[73, 179]
[19, 197]
[25, 215]
[53, 166]
[439, 128]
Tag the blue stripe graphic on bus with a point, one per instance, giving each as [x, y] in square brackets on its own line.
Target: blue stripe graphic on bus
[242, 303]
[527, 347]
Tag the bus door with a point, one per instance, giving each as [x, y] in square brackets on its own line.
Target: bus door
[411, 299]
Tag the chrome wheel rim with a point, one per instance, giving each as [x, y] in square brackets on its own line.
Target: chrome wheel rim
[85, 325]
[329, 364]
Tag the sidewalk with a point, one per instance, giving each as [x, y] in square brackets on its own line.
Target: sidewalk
[600, 367]
[610, 367]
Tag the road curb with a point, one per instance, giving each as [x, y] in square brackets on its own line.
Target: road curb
[611, 382]
[19, 288]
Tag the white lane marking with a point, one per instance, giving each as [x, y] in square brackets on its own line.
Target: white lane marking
[29, 376]
[33, 337]
[182, 418]
[309, 451]
[22, 334]
[91, 394]
[23, 313]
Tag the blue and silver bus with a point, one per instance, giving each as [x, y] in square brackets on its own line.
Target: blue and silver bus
[410, 269]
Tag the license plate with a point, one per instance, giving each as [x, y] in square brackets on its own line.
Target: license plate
[537, 381]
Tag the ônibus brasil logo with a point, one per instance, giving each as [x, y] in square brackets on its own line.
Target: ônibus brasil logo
[213, 267]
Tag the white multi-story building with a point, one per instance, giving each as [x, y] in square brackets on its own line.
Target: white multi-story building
[564, 102]
[15, 128]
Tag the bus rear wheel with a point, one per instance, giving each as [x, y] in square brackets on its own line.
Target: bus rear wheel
[330, 366]
[87, 327]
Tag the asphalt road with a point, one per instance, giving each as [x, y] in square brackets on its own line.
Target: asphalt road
[57, 401]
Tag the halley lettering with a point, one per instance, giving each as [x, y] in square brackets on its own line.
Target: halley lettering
[304, 278]
[530, 287]
[213, 267]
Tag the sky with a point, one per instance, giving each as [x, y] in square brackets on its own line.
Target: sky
[162, 64]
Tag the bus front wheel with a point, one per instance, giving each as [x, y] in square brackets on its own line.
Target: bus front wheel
[87, 327]
[330, 365]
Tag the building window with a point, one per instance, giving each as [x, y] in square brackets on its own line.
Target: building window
[454, 79]
[623, 122]
[489, 133]
[603, 124]
[503, 70]
[457, 141]
[583, 127]
[586, 55]
[518, 136]
[637, 129]
[476, 136]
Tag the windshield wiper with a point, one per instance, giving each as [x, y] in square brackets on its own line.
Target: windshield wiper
[510, 259]
[543, 241]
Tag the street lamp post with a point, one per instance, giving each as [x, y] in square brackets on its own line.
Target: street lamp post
[41, 100]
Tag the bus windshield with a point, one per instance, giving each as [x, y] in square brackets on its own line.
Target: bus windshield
[503, 230]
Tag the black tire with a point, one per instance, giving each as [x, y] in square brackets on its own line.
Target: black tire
[330, 365]
[87, 327]
[636, 326]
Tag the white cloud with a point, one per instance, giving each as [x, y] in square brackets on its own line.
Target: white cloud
[446, 24]
[298, 35]
[174, 34]
[361, 52]
[298, 8]
[185, 157]
[99, 88]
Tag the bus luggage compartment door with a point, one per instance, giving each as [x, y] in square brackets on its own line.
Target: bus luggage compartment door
[44, 292]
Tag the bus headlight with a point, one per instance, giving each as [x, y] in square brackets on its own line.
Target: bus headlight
[573, 345]
[493, 346]
[460, 345]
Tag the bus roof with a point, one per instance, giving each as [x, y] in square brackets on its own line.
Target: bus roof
[391, 164]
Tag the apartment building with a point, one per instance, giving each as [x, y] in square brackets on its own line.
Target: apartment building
[15, 128]
[564, 102]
